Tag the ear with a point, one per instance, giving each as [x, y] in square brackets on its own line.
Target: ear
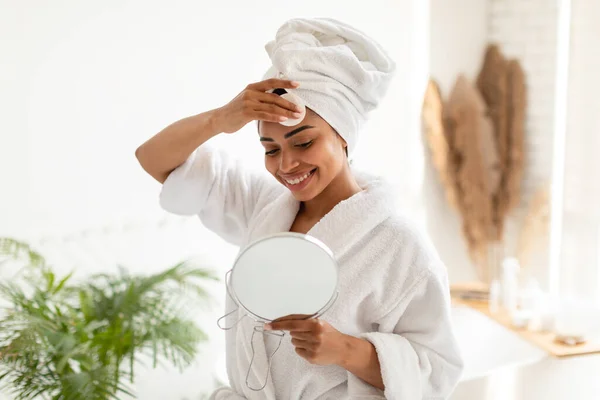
[343, 143]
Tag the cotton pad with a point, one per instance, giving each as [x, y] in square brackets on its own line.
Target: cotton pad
[291, 97]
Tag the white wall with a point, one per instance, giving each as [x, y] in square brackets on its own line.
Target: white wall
[84, 83]
[458, 36]
[580, 255]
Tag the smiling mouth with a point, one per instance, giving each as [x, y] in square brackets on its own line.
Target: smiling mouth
[297, 181]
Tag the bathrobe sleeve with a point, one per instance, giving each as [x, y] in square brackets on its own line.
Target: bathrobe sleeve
[417, 351]
[216, 187]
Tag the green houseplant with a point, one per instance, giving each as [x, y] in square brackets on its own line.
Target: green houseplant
[61, 340]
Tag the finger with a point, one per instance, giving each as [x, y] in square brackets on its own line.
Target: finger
[291, 325]
[278, 100]
[305, 336]
[273, 83]
[293, 316]
[265, 116]
[304, 353]
[276, 110]
[302, 344]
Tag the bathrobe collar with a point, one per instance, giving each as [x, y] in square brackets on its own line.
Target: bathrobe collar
[351, 219]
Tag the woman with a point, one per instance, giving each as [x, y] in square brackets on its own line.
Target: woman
[389, 334]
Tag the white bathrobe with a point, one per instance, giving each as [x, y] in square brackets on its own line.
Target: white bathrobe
[393, 289]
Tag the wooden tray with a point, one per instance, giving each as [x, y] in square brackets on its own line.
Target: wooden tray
[544, 340]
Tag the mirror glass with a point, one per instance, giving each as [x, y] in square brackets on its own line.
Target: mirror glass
[285, 274]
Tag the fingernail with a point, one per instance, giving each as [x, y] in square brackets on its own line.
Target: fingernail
[295, 83]
[282, 118]
[299, 109]
[268, 327]
[297, 115]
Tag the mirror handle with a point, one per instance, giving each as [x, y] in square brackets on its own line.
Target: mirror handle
[226, 328]
[260, 329]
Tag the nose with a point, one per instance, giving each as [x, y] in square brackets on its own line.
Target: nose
[287, 162]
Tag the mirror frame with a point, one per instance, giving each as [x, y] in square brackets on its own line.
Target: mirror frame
[315, 241]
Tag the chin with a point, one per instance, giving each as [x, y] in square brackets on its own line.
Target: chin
[304, 197]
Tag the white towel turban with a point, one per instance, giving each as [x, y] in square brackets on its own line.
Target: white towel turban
[343, 73]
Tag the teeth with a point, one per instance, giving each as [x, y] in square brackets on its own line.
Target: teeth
[297, 180]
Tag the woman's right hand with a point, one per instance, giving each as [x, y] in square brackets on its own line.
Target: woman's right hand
[253, 103]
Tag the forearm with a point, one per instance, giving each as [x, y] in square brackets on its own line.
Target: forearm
[360, 358]
[169, 148]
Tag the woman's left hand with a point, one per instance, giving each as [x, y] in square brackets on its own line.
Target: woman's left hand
[315, 340]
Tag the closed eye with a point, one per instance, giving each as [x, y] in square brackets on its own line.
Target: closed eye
[301, 145]
[304, 145]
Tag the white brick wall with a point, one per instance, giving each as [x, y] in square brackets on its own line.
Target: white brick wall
[527, 31]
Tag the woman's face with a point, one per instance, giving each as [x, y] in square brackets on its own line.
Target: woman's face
[306, 157]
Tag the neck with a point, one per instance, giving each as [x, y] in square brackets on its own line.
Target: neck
[342, 187]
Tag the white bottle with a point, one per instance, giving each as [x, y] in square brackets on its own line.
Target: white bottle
[495, 295]
[510, 284]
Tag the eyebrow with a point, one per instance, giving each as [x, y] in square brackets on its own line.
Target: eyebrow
[289, 134]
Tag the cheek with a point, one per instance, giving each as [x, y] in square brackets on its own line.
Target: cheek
[330, 156]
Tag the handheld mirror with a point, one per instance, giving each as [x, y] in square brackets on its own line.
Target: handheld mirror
[282, 275]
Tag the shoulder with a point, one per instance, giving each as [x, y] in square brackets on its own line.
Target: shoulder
[399, 264]
[397, 235]
[413, 256]
[410, 236]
